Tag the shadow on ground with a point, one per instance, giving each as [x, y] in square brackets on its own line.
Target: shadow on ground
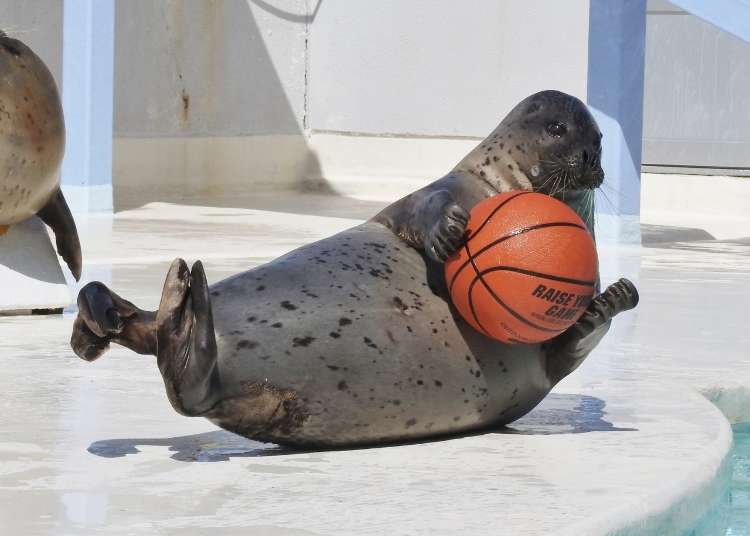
[309, 202]
[657, 235]
[693, 240]
[557, 414]
[565, 414]
[26, 250]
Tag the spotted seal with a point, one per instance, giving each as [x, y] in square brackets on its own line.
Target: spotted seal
[32, 142]
[352, 339]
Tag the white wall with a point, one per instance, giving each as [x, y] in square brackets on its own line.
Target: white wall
[425, 67]
[215, 95]
[209, 97]
[194, 77]
[39, 25]
[400, 90]
[440, 67]
[696, 113]
[196, 68]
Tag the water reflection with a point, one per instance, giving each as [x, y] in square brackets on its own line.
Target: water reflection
[731, 515]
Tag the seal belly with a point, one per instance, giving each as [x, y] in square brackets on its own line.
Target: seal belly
[32, 132]
[352, 332]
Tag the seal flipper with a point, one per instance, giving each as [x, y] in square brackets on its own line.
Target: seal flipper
[568, 350]
[186, 343]
[56, 215]
[446, 235]
[104, 317]
[429, 219]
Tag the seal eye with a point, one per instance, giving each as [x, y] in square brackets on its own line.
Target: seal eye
[557, 129]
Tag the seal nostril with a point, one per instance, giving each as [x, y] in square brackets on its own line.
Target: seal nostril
[584, 156]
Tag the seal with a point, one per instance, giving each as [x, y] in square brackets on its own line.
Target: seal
[32, 143]
[352, 339]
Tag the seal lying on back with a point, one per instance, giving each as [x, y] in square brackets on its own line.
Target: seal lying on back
[352, 339]
[32, 142]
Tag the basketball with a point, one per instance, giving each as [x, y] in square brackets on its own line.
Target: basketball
[527, 271]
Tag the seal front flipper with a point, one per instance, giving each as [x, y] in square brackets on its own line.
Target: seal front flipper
[446, 234]
[57, 216]
[186, 343]
[568, 350]
[429, 220]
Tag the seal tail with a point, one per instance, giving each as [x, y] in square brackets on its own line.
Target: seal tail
[56, 214]
[186, 342]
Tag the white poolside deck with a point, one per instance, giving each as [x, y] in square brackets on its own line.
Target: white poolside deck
[625, 445]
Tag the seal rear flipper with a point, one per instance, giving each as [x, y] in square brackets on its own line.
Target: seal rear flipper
[57, 216]
[186, 343]
[105, 317]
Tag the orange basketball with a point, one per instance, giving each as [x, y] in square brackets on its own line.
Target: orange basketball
[528, 268]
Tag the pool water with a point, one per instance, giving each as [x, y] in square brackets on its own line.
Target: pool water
[731, 517]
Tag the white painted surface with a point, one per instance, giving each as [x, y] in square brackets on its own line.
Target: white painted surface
[440, 67]
[30, 273]
[716, 204]
[625, 443]
[39, 25]
[695, 111]
[384, 168]
[252, 68]
[421, 67]
[194, 68]
[209, 89]
[150, 168]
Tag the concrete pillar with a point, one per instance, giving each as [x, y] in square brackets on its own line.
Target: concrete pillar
[617, 39]
[88, 71]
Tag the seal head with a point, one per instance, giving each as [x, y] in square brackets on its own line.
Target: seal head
[549, 143]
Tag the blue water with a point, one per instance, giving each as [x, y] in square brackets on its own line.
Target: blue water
[732, 515]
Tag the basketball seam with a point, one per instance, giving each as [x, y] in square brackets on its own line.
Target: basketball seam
[471, 288]
[508, 308]
[538, 274]
[497, 299]
[503, 239]
[497, 208]
[471, 259]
